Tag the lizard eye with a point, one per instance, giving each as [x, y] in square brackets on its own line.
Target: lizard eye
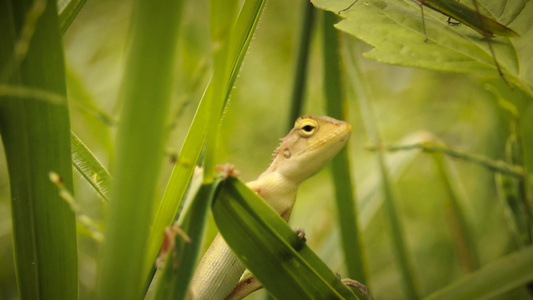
[307, 127]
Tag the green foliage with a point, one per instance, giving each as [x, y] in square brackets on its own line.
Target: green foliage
[267, 245]
[341, 170]
[90, 168]
[145, 96]
[394, 29]
[219, 96]
[36, 139]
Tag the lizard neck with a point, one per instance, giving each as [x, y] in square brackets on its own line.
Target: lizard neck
[277, 190]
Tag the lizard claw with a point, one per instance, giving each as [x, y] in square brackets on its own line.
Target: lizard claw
[300, 233]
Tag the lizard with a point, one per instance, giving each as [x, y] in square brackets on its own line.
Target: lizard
[306, 149]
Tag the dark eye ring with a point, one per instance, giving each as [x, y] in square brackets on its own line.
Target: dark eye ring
[308, 128]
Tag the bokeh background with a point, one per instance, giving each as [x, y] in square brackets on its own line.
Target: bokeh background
[409, 105]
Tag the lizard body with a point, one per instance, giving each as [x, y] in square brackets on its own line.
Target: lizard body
[308, 147]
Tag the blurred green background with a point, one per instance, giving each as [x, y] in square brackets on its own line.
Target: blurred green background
[456, 108]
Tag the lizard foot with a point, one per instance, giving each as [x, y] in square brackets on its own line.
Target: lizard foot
[244, 288]
[361, 288]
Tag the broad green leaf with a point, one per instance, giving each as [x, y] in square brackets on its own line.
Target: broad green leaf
[146, 91]
[470, 17]
[36, 139]
[264, 242]
[493, 279]
[394, 29]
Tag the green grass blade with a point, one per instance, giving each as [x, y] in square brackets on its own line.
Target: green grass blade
[270, 248]
[181, 261]
[145, 93]
[302, 62]
[399, 248]
[464, 240]
[194, 141]
[344, 190]
[399, 162]
[36, 138]
[492, 280]
[90, 168]
[179, 179]
[68, 10]
[241, 36]
[221, 20]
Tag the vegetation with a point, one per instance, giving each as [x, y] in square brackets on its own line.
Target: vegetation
[431, 199]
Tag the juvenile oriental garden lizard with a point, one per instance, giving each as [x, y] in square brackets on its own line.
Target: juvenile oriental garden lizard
[308, 147]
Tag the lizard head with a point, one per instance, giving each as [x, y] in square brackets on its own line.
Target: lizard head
[309, 146]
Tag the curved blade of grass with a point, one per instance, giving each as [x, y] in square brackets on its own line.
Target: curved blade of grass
[344, 190]
[241, 36]
[36, 138]
[221, 16]
[460, 229]
[145, 93]
[194, 141]
[90, 168]
[371, 200]
[399, 248]
[492, 280]
[264, 242]
[180, 264]
[230, 49]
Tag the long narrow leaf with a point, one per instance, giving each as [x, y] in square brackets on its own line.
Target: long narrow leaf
[36, 138]
[90, 168]
[181, 261]
[145, 93]
[302, 63]
[464, 240]
[342, 179]
[270, 249]
[399, 247]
